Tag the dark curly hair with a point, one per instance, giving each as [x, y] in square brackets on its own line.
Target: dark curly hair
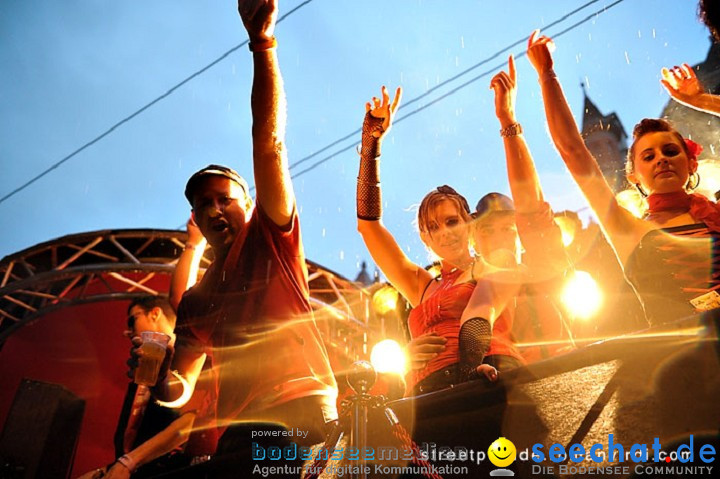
[709, 13]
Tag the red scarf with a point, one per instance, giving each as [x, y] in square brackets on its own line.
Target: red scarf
[699, 207]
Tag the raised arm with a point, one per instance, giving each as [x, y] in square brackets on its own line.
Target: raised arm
[273, 187]
[563, 129]
[684, 87]
[185, 273]
[409, 278]
[541, 238]
[523, 178]
[623, 229]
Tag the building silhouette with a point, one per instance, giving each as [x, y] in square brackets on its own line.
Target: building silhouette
[606, 139]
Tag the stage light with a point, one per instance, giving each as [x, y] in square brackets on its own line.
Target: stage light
[632, 201]
[385, 299]
[582, 296]
[388, 357]
[567, 229]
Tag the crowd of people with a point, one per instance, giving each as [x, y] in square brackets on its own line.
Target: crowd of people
[245, 352]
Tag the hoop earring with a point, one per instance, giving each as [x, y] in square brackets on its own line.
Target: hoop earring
[642, 192]
[692, 185]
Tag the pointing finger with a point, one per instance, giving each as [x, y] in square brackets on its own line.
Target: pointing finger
[533, 36]
[396, 100]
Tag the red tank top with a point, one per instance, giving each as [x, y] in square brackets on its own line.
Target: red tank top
[440, 313]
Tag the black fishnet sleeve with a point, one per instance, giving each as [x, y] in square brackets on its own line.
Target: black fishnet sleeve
[474, 343]
[369, 198]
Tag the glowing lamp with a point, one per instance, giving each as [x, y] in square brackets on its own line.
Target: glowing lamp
[385, 299]
[388, 357]
[581, 295]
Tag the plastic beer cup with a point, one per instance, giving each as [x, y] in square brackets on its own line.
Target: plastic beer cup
[153, 353]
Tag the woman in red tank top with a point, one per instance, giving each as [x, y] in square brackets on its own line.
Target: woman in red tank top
[443, 220]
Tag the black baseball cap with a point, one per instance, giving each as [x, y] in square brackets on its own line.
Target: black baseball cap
[494, 203]
[216, 170]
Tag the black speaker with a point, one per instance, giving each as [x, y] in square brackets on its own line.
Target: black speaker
[41, 432]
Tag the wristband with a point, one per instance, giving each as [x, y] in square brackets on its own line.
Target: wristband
[370, 146]
[127, 462]
[369, 195]
[263, 45]
[474, 343]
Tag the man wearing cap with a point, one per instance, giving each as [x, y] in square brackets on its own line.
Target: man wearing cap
[502, 224]
[500, 234]
[250, 314]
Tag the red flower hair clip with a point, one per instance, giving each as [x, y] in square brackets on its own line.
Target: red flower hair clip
[694, 148]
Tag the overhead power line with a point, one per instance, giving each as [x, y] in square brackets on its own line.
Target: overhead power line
[350, 135]
[451, 92]
[444, 82]
[142, 109]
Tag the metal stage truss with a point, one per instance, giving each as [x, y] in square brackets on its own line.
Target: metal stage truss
[112, 265]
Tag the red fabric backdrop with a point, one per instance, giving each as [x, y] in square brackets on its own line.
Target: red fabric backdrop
[83, 349]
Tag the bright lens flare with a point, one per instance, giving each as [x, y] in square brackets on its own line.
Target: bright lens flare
[184, 397]
[385, 299]
[567, 229]
[388, 357]
[632, 201]
[581, 295]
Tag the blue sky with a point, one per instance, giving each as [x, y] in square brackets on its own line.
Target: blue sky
[74, 68]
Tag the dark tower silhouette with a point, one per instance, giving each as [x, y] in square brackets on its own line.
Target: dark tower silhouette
[606, 139]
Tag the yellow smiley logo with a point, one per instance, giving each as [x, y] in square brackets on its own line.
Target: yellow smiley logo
[502, 452]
